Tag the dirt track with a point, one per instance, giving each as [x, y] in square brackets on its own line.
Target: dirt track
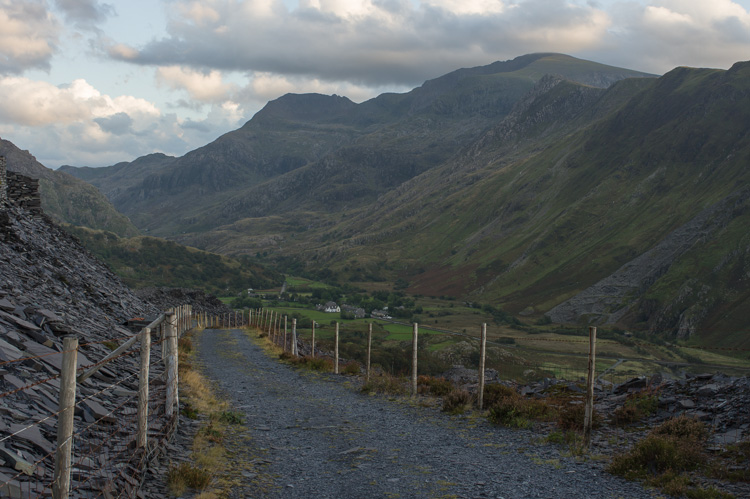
[315, 435]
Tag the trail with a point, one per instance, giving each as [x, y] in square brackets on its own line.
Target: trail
[313, 435]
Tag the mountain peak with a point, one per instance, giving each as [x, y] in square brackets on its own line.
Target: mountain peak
[311, 107]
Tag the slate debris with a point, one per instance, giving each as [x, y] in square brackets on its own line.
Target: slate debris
[50, 287]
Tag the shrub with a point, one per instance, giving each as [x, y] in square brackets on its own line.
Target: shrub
[496, 392]
[684, 428]
[457, 402]
[569, 438]
[384, 384]
[519, 412]
[636, 407]
[316, 363]
[189, 412]
[184, 476]
[286, 355]
[571, 417]
[655, 455]
[434, 386]
[674, 446]
[231, 417]
[211, 434]
[351, 368]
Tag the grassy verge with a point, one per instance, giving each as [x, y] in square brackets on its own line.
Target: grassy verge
[209, 471]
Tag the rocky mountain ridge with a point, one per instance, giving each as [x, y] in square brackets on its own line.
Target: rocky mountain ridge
[517, 184]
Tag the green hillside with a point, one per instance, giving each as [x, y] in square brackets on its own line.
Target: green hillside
[545, 185]
[150, 262]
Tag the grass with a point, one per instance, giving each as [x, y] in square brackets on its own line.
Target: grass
[209, 457]
[385, 383]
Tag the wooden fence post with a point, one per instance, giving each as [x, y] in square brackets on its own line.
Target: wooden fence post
[294, 337]
[588, 419]
[313, 340]
[414, 360]
[142, 437]
[170, 343]
[336, 351]
[482, 352]
[63, 455]
[369, 351]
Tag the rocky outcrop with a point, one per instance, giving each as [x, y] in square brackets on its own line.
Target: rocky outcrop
[610, 299]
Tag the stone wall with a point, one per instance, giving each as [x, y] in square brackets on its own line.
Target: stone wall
[3, 182]
[19, 190]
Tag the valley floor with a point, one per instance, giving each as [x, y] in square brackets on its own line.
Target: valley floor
[311, 435]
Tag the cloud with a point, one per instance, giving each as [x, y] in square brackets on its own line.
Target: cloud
[364, 42]
[29, 36]
[668, 33]
[85, 14]
[117, 124]
[77, 124]
[36, 103]
[202, 86]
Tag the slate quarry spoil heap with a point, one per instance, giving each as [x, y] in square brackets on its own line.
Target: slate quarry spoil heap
[50, 287]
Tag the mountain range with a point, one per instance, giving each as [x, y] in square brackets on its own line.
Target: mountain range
[548, 185]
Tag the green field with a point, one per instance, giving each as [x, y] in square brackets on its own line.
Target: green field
[521, 352]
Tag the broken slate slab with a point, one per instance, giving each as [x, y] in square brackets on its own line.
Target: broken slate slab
[32, 435]
[9, 351]
[51, 357]
[13, 460]
[19, 322]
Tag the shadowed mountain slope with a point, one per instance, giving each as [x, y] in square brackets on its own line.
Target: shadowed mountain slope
[545, 184]
[66, 198]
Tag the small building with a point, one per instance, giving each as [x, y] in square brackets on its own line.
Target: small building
[380, 314]
[357, 312]
[331, 308]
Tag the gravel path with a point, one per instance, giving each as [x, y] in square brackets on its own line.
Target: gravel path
[313, 435]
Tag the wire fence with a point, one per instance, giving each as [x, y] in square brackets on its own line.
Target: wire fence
[95, 425]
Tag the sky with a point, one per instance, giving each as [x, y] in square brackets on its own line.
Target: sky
[96, 82]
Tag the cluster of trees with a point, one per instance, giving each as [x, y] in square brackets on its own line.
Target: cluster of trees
[148, 261]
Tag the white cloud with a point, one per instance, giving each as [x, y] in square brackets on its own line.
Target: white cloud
[77, 124]
[28, 36]
[34, 103]
[202, 86]
[464, 7]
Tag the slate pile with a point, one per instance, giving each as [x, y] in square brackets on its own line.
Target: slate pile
[50, 287]
[165, 298]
